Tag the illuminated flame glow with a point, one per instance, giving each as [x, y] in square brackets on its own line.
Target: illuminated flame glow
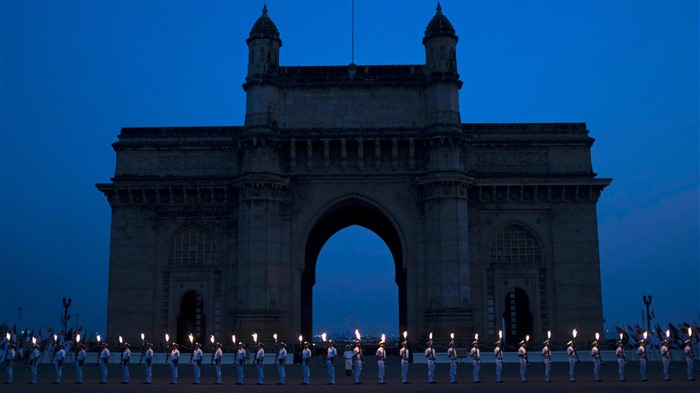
[405, 334]
[476, 336]
[274, 336]
[549, 334]
[323, 337]
[500, 334]
[233, 338]
[574, 333]
[143, 336]
[121, 340]
[645, 335]
[99, 338]
[212, 339]
[597, 336]
[527, 338]
[77, 338]
[300, 338]
[452, 335]
[430, 336]
[357, 334]
[383, 337]
[33, 340]
[255, 337]
[621, 335]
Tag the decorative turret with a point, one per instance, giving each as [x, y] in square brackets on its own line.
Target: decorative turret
[260, 85]
[440, 43]
[263, 47]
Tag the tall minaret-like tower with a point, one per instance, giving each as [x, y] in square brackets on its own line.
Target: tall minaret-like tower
[442, 98]
[263, 63]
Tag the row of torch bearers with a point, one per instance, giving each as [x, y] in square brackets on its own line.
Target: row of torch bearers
[324, 337]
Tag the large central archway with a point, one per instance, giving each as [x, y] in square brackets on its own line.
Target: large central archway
[343, 215]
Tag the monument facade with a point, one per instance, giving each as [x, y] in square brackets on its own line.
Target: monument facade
[216, 230]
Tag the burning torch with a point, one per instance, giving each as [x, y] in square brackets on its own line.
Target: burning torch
[325, 354]
[99, 346]
[359, 345]
[143, 346]
[121, 351]
[573, 341]
[166, 346]
[527, 340]
[213, 350]
[597, 337]
[191, 338]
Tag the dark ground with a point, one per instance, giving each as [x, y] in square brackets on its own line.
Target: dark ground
[417, 379]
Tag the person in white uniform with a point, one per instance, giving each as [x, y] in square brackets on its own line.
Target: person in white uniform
[476, 361]
[357, 362]
[10, 362]
[347, 357]
[149, 363]
[197, 356]
[282, 363]
[522, 356]
[642, 355]
[595, 355]
[58, 362]
[306, 363]
[240, 363]
[621, 360]
[381, 362]
[218, 359]
[126, 359]
[452, 355]
[259, 361]
[498, 355]
[404, 354]
[571, 352]
[430, 358]
[174, 360]
[331, 354]
[79, 362]
[665, 359]
[547, 358]
[33, 360]
[104, 361]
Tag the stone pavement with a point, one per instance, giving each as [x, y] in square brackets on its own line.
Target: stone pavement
[417, 379]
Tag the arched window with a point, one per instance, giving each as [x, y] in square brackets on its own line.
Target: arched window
[192, 247]
[516, 246]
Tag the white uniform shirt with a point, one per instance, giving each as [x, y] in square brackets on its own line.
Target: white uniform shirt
[381, 355]
[476, 354]
[498, 353]
[595, 353]
[404, 353]
[430, 353]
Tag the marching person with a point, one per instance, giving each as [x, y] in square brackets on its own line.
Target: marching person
[259, 360]
[665, 359]
[547, 357]
[357, 361]
[476, 361]
[430, 356]
[240, 363]
[10, 362]
[404, 354]
[381, 360]
[174, 360]
[331, 353]
[689, 358]
[571, 352]
[149, 363]
[498, 354]
[104, 360]
[347, 356]
[197, 356]
[218, 358]
[126, 359]
[452, 355]
[33, 360]
[282, 363]
[79, 361]
[595, 354]
[522, 355]
[621, 360]
[58, 359]
[642, 355]
[306, 363]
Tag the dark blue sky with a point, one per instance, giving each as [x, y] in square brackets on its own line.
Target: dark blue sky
[75, 72]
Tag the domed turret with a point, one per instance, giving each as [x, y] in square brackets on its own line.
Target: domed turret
[440, 43]
[263, 46]
[439, 26]
[264, 27]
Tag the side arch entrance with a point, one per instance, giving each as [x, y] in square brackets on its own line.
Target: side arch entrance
[346, 214]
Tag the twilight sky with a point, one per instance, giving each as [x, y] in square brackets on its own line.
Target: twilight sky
[73, 73]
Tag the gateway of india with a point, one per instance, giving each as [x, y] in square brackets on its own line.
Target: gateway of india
[217, 230]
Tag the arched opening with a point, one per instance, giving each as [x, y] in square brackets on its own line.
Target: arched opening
[349, 213]
[517, 316]
[355, 285]
[191, 318]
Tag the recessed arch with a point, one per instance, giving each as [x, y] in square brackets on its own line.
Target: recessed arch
[340, 215]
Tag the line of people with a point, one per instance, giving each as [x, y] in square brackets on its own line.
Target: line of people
[353, 361]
